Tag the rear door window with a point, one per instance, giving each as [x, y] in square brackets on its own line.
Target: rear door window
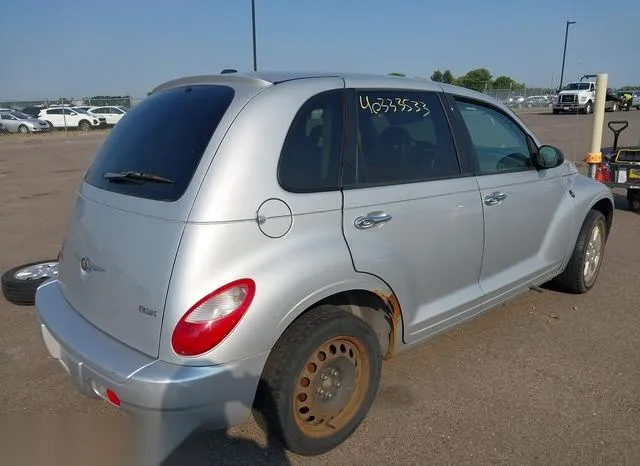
[165, 135]
[403, 137]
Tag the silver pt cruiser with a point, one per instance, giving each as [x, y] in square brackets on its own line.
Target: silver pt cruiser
[261, 242]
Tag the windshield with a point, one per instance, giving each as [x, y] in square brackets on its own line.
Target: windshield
[79, 110]
[21, 116]
[141, 142]
[577, 87]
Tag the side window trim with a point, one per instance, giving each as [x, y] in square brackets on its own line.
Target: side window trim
[351, 146]
[462, 141]
[468, 142]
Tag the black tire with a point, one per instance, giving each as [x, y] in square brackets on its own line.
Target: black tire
[588, 108]
[573, 278]
[23, 129]
[84, 125]
[23, 291]
[556, 111]
[633, 196]
[293, 379]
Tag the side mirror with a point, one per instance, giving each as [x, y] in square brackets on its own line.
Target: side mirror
[549, 157]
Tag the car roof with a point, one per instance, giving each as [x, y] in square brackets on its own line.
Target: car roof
[266, 78]
[270, 78]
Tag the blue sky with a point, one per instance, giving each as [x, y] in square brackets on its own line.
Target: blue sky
[78, 48]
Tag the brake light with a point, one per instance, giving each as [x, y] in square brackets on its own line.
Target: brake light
[603, 173]
[211, 320]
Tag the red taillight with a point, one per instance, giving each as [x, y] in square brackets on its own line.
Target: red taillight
[211, 319]
[112, 397]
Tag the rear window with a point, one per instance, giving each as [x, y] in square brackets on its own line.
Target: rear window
[165, 135]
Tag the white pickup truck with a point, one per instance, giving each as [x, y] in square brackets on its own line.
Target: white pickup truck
[580, 97]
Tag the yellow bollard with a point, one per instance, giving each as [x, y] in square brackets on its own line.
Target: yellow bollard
[594, 157]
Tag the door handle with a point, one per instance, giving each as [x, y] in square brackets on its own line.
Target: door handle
[494, 198]
[371, 219]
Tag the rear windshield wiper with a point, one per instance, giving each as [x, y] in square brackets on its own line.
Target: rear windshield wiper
[139, 177]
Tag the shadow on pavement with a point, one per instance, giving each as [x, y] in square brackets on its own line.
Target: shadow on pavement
[217, 448]
[177, 437]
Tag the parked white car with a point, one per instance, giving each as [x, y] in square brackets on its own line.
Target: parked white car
[101, 119]
[112, 113]
[59, 117]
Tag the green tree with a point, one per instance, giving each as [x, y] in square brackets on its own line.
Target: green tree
[447, 77]
[478, 79]
[506, 82]
[437, 76]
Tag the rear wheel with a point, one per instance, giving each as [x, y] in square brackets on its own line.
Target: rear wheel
[584, 265]
[319, 381]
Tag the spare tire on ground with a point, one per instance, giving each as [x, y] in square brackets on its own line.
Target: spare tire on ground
[20, 283]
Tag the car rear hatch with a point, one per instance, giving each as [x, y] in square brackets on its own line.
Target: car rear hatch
[131, 208]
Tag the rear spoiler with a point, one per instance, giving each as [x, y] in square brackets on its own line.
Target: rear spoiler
[230, 78]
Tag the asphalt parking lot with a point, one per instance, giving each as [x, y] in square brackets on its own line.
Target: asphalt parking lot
[546, 379]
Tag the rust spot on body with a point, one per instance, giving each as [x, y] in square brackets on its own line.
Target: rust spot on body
[391, 301]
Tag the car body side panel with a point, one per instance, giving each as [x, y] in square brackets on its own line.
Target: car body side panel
[309, 263]
[588, 193]
[527, 234]
[430, 252]
[244, 172]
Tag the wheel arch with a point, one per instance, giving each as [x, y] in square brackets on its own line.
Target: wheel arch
[607, 208]
[378, 306]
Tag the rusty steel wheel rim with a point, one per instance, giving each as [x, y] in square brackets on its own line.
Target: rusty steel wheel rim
[331, 387]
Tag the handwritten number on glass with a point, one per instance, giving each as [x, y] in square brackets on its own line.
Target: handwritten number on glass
[397, 104]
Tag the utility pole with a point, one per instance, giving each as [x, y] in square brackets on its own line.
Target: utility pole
[253, 23]
[564, 54]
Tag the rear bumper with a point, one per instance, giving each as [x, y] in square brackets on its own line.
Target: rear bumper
[216, 396]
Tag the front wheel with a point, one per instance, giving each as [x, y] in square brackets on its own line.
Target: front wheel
[319, 381]
[584, 265]
[23, 129]
[84, 125]
[588, 108]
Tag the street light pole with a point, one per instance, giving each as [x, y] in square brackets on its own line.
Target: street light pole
[564, 54]
[253, 23]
